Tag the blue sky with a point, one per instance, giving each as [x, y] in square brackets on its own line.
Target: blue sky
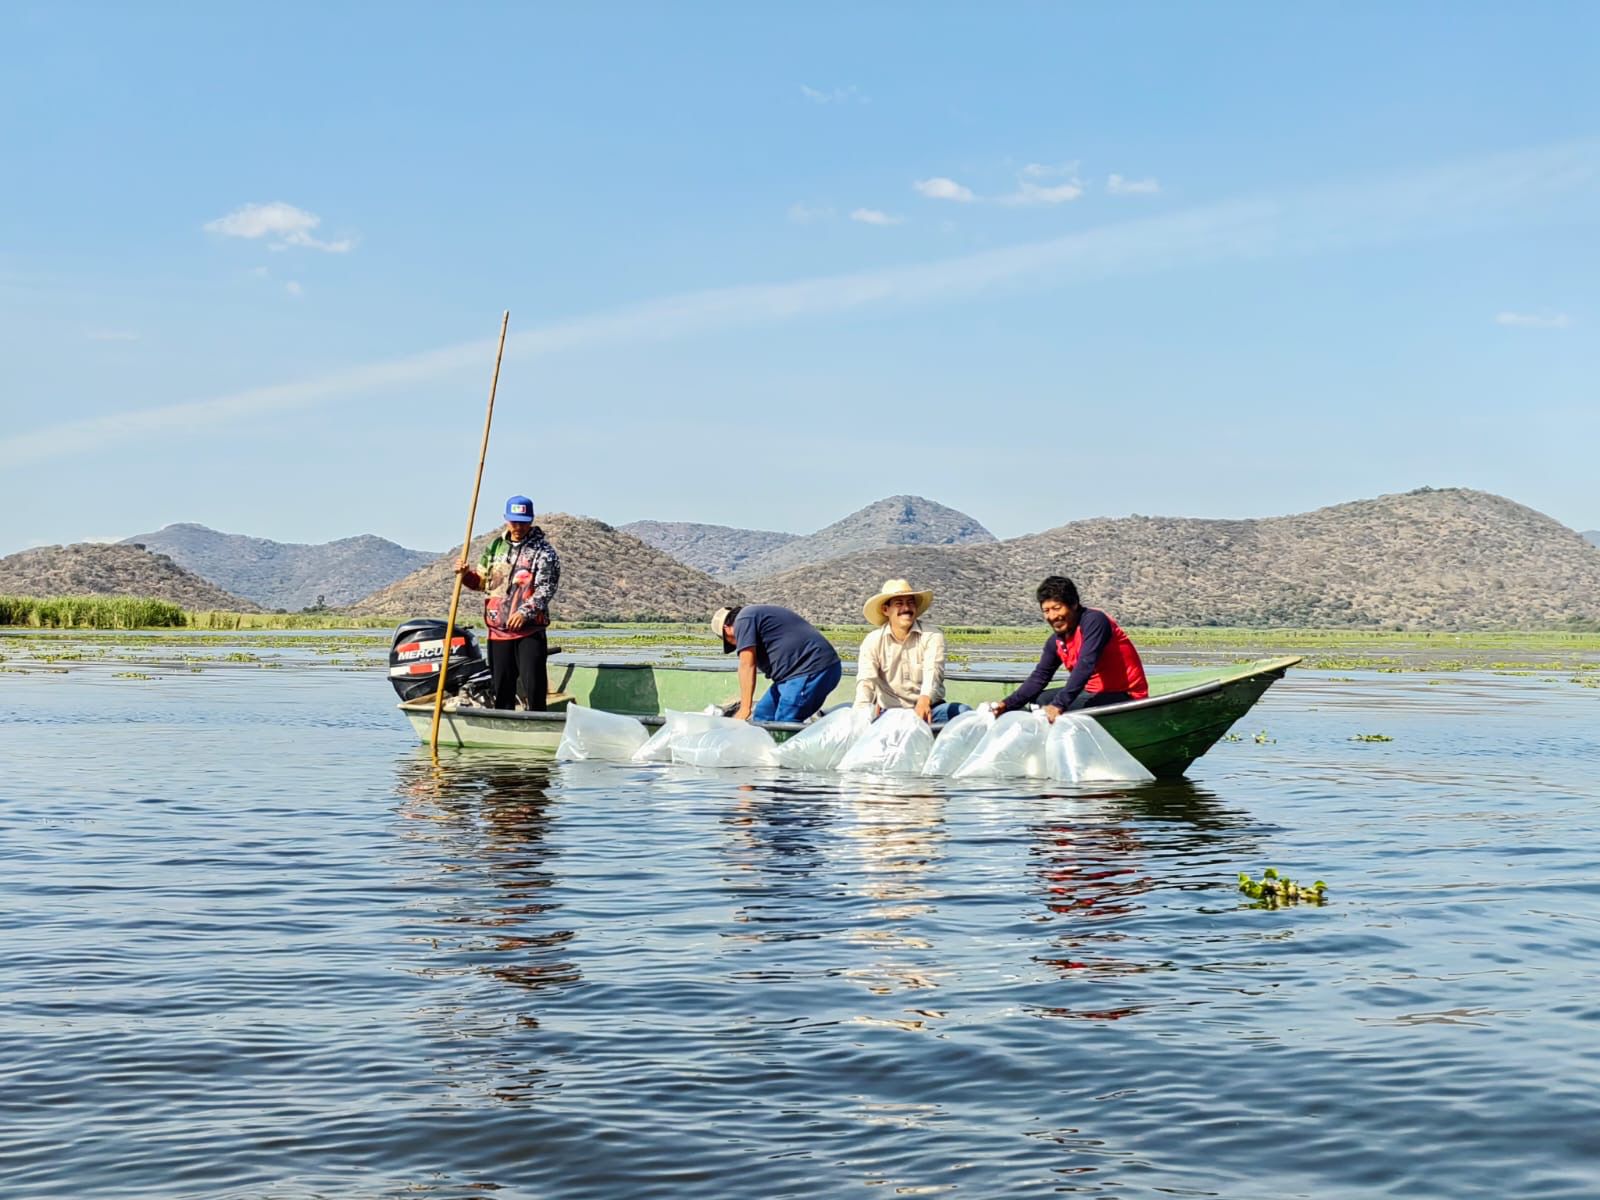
[766, 265]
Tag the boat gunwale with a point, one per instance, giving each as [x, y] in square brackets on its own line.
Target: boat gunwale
[1266, 666]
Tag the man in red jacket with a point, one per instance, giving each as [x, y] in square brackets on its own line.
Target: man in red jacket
[518, 573]
[1102, 665]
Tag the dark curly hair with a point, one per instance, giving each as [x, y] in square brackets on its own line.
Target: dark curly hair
[1058, 588]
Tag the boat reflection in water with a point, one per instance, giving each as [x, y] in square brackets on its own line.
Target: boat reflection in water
[484, 871]
[1092, 869]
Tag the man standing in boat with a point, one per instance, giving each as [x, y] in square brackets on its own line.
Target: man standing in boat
[1102, 665]
[788, 650]
[902, 660]
[517, 574]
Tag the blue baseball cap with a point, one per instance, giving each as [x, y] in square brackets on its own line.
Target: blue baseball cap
[520, 510]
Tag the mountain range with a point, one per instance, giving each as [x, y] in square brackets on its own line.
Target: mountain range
[1592, 536]
[718, 550]
[1447, 558]
[102, 569]
[742, 554]
[286, 575]
[606, 575]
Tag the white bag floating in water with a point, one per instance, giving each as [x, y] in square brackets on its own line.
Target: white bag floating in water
[897, 743]
[1079, 750]
[674, 726]
[728, 743]
[961, 735]
[1013, 746]
[592, 735]
[820, 745]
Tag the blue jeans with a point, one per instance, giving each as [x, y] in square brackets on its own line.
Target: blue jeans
[798, 697]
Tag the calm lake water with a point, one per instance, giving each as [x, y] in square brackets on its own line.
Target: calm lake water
[252, 944]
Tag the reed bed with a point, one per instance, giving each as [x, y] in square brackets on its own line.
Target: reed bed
[89, 612]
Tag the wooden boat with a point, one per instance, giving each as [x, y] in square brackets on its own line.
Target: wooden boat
[1186, 712]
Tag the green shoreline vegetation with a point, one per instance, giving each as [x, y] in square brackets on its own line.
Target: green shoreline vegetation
[59, 629]
[134, 613]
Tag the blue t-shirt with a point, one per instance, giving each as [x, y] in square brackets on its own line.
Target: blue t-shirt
[787, 645]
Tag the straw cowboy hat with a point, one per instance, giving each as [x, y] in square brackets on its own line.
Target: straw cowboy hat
[873, 609]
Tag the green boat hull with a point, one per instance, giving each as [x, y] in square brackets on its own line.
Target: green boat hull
[1185, 714]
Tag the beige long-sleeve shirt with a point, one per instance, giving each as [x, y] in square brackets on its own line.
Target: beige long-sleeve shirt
[892, 674]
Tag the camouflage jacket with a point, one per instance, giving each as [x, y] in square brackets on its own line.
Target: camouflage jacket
[516, 577]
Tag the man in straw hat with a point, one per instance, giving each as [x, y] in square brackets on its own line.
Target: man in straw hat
[902, 660]
[788, 650]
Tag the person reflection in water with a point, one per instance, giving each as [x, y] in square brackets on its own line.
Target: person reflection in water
[1089, 880]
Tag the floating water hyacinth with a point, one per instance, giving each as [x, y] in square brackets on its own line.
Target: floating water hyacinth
[1273, 890]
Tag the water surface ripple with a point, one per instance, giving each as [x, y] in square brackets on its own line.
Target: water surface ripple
[256, 945]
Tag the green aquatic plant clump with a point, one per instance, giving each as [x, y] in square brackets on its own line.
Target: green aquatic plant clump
[1273, 890]
[89, 612]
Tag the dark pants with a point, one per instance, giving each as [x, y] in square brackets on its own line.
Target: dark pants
[517, 665]
[1095, 700]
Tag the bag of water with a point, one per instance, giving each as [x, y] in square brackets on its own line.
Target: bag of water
[897, 743]
[591, 735]
[820, 745]
[1013, 746]
[728, 743]
[1079, 750]
[674, 725]
[961, 735]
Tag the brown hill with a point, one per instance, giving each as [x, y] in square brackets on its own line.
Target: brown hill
[606, 575]
[892, 521]
[286, 575]
[714, 549]
[97, 569]
[1430, 559]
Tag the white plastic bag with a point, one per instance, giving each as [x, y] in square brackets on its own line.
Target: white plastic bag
[1013, 746]
[961, 735]
[897, 743]
[728, 743]
[674, 726]
[820, 745]
[1079, 750]
[592, 735]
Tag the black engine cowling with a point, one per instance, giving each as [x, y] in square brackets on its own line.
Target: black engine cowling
[416, 652]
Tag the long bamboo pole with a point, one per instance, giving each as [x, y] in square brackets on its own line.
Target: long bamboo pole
[466, 543]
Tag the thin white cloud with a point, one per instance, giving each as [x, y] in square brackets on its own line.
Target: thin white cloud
[285, 224]
[1466, 197]
[294, 289]
[873, 216]
[112, 335]
[1067, 170]
[805, 214]
[1517, 320]
[940, 188]
[1116, 185]
[839, 95]
[1030, 193]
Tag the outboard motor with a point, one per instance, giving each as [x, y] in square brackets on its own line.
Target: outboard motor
[414, 658]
